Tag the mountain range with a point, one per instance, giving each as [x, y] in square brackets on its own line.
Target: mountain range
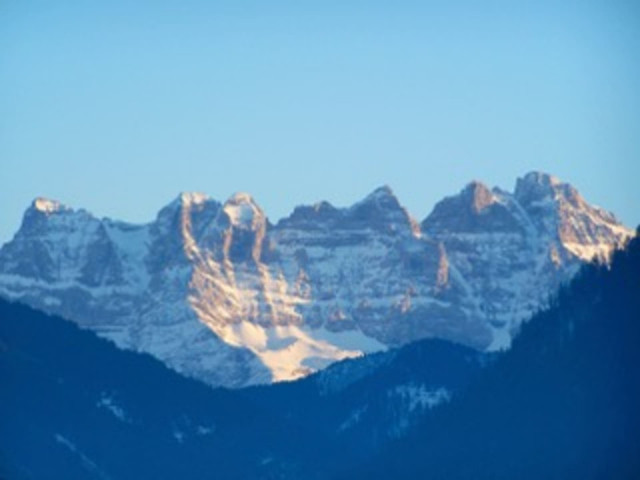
[219, 293]
[560, 403]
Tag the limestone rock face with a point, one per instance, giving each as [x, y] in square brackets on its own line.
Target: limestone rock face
[219, 293]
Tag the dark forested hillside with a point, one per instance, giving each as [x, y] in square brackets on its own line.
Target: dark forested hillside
[561, 404]
[75, 406]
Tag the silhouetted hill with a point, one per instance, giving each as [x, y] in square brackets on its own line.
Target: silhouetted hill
[75, 406]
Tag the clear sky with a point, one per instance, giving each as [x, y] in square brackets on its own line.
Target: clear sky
[117, 106]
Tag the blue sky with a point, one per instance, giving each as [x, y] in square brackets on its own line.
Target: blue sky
[118, 106]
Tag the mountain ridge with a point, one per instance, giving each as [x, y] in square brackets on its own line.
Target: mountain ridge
[220, 293]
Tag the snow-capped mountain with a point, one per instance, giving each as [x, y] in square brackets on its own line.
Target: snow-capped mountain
[219, 293]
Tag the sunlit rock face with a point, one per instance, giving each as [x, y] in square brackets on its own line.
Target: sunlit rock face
[513, 249]
[219, 293]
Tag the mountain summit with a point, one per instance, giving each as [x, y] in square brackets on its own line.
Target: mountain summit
[219, 293]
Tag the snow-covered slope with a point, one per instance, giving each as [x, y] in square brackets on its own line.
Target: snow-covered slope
[219, 293]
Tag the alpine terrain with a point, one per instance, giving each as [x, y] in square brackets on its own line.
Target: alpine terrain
[560, 403]
[219, 293]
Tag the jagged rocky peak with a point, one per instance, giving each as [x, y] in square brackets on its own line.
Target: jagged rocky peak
[248, 227]
[323, 207]
[187, 207]
[479, 195]
[312, 217]
[171, 210]
[190, 199]
[47, 215]
[539, 187]
[48, 206]
[476, 209]
[35, 217]
[243, 212]
[585, 230]
[383, 196]
[381, 210]
[537, 190]
[381, 199]
[54, 242]
[190, 202]
[179, 228]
